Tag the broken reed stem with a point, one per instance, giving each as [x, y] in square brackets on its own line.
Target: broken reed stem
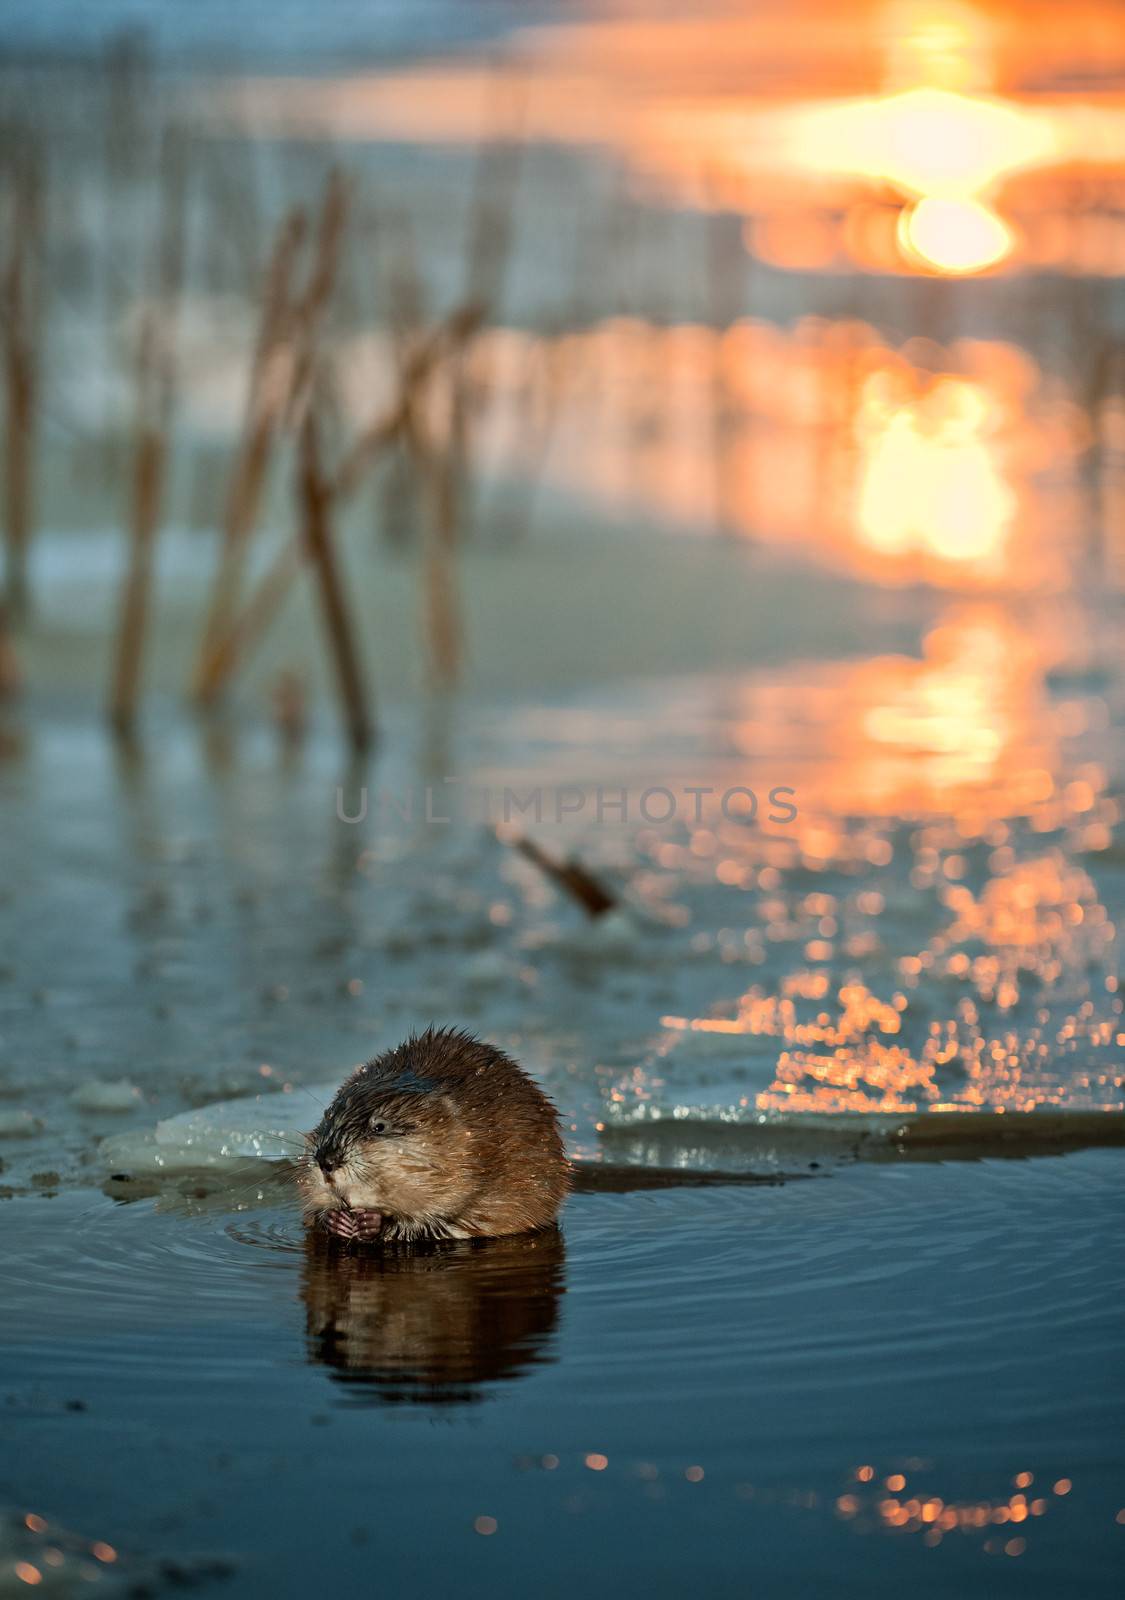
[570, 876]
[255, 617]
[10, 674]
[270, 384]
[315, 498]
[156, 387]
[21, 330]
[447, 337]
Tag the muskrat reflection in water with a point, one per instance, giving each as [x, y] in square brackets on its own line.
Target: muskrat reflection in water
[431, 1322]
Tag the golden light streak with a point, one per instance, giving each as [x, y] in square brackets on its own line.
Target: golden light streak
[924, 141]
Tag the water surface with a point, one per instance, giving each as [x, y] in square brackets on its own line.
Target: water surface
[890, 1376]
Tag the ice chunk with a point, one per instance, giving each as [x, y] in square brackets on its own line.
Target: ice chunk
[262, 1127]
[102, 1094]
[18, 1124]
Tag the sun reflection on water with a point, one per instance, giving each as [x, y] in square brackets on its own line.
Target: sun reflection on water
[932, 936]
[920, 461]
[930, 477]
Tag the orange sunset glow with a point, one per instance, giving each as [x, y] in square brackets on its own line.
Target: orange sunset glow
[944, 141]
[562, 752]
[893, 462]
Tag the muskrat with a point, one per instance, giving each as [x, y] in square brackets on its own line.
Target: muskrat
[442, 1138]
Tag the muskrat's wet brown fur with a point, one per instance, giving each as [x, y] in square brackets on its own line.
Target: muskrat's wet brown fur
[444, 1137]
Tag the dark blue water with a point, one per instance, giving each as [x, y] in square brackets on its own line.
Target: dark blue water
[676, 1394]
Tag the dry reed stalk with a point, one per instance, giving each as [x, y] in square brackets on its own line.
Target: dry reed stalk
[489, 251]
[156, 386]
[309, 309]
[369, 446]
[437, 466]
[418, 367]
[267, 397]
[563, 352]
[492, 209]
[236, 633]
[276, 311]
[127, 76]
[571, 876]
[404, 296]
[254, 619]
[555, 375]
[290, 323]
[249, 625]
[402, 287]
[234, 193]
[726, 258]
[21, 289]
[150, 456]
[10, 675]
[315, 497]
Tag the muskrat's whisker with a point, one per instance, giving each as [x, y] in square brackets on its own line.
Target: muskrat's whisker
[319, 1104]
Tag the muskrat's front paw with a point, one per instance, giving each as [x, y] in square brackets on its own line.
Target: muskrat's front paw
[368, 1225]
[361, 1225]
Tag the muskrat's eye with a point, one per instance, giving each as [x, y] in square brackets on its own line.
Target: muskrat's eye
[378, 1127]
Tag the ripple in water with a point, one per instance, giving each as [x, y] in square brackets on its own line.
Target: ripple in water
[785, 1281]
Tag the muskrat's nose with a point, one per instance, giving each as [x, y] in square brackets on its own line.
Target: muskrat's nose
[326, 1162]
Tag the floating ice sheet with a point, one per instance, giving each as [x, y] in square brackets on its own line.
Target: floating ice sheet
[261, 1127]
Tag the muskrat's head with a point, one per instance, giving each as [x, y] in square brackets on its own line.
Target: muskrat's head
[392, 1150]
